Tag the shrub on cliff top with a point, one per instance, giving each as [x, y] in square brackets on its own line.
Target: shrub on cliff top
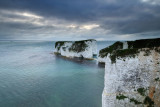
[116, 46]
[59, 44]
[121, 97]
[78, 46]
[116, 49]
[141, 91]
[135, 101]
[123, 53]
[144, 43]
[148, 101]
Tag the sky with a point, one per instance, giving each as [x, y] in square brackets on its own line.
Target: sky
[79, 19]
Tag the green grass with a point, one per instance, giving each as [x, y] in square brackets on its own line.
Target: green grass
[123, 53]
[121, 97]
[141, 91]
[144, 43]
[116, 46]
[133, 46]
[148, 101]
[78, 46]
[135, 101]
[59, 44]
[157, 79]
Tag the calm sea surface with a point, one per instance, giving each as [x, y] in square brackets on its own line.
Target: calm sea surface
[30, 76]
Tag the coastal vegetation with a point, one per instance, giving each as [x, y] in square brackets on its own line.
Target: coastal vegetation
[116, 50]
[78, 46]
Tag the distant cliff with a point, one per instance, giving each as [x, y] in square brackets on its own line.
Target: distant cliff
[84, 48]
[132, 74]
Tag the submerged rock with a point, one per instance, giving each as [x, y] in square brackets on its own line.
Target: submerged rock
[132, 74]
[81, 49]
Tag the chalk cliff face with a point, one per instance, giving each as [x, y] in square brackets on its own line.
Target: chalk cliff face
[85, 48]
[132, 74]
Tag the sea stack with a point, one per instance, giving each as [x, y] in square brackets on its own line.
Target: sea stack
[132, 74]
[82, 49]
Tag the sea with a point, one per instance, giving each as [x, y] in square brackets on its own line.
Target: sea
[32, 76]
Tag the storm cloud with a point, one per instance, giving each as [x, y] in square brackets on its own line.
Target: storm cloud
[79, 19]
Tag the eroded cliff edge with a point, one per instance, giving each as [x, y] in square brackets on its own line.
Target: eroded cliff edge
[84, 48]
[132, 74]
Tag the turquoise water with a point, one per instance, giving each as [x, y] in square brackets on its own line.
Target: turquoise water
[30, 76]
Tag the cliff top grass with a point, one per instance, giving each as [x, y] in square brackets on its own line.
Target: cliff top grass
[116, 46]
[59, 44]
[121, 97]
[135, 101]
[141, 91]
[86, 40]
[144, 43]
[123, 53]
[77, 46]
[116, 50]
[148, 101]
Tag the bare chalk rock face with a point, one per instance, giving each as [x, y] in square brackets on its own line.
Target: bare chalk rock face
[81, 49]
[132, 74]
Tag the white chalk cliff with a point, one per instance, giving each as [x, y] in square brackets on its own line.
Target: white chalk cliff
[132, 74]
[85, 48]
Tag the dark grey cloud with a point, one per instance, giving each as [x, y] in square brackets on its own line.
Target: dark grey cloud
[102, 19]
